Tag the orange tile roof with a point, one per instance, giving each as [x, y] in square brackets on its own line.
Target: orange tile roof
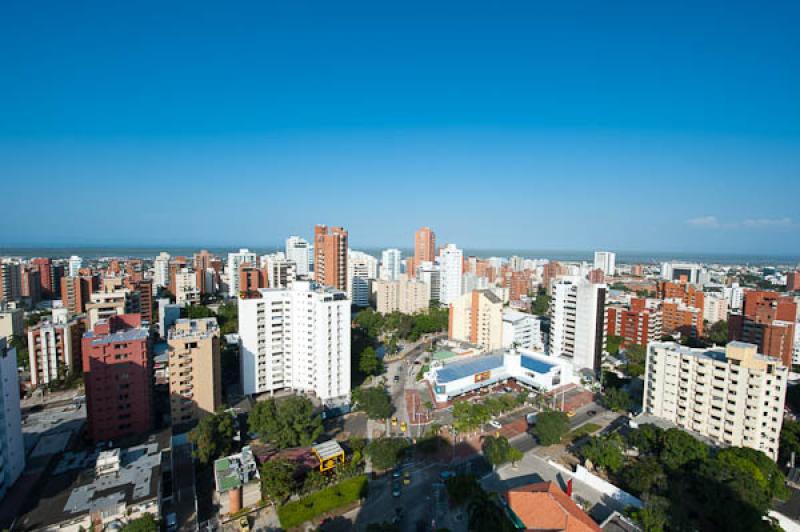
[544, 507]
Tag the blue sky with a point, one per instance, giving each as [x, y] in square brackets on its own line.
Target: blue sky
[559, 125]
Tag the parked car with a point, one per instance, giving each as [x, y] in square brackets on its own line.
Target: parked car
[591, 413]
[396, 487]
[406, 478]
[531, 418]
[397, 378]
[496, 424]
[571, 413]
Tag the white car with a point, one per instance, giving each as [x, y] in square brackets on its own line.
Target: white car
[496, 424]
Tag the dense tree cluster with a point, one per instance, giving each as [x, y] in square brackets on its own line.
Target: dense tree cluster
[290, 422]
[227, 316]
[550, 427]
[386, 452]
[498, 451]
[213, 437]
[374, 401]
[687, 485]
[468, 416]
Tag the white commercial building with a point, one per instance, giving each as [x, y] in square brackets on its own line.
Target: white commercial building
[279, 269]
[577, 321]
[523, 330]
[161, 270]
[361, 269]
[186, 290]
[74, 264]
[12, 449]
[451, 269]
[715, 307]
[390, 264]
[459, 375]
[732, 395]
[606, 261]
[689, 272]
[735, 296]
[298, 250]
[235, 260]
[429, 274]
[296, 338]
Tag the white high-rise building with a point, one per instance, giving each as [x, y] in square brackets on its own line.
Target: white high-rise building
[735, 296]
[161, 270]
[234, 261]
[715, 307]
[296, 338]
[606, 261]
[12, 448]
[523, 331]
[577, 321]
[361, 268]
[429, 274]
[186, 291]
[451, 268]
[732, 395]
[280, 271]
[298, 250]
[390, 264]
[75, 263]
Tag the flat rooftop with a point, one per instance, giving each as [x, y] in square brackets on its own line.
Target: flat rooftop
[128, 335]
[458, 370]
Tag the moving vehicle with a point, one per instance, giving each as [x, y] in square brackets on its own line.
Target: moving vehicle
[396, 489]
[591, 413]
[403, 426]
[394, 421]
[397, 378]
[406, 478]
[396, 473]
[571, 413]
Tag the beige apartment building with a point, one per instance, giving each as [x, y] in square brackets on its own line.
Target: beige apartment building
[732, 395]
[477, 317]
[405, 295]
[195, 378]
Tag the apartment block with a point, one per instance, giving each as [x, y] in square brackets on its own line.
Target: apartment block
[117, 372]
[407, 296]
[54, 349]
[577, 321]
[12, 321]
[424, 249]
[639, 323]
[76, 291]
[734, 396]
[477, 318]
[10, 281]
[279, 271]
[523, 331]
[793, 281]
[362, 269]
[330, 256]
[235, 261]
[390, 264]
[769, 321]
[186, 291]
[451, 269]
[298, 250]
[296, 338]
[195, 375]
[12, 448]
[605, 261]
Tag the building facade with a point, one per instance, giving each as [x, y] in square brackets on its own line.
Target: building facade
[298, 251]
[605, 261]
[117, 372]
[12, 448]
[424, 248]
[54, 349]
[296, 338]
[390, 264]
[523, 330]
[330, 256]
[577, 321]
[477, 318]
[451, 269]
[195, 375]
[407, 296]
[733, 396]
[362, 269]
[235, 261]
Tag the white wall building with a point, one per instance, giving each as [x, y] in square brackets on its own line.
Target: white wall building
[74, 265]
[161, 270]
[298, 250]
[361, 268]
[735, 296]
[12, 449]
[390, 264]
[606, 261]
[451, 269]
[234, 261]
[732, 395]
[715, 307]
[186, 290]
[692, 272]
[280, 270]
[429, 274]
[523, 330]
[296, 338]
[577, 321]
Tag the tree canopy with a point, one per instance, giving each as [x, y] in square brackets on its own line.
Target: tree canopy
[498, 450]
[718, 333]
[635, 354]
[374, 401]
[616, 399]
[605, 452]
[145, 523]
[386, 452]
[213, 437]
[290, 422]
[550, 427]
[277, 480]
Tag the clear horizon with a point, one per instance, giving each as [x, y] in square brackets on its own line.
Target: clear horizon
[568, 126]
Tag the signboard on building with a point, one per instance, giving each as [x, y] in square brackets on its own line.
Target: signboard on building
[483, 376]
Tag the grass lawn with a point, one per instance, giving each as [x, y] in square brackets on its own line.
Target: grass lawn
[580, 432]
[316, 504]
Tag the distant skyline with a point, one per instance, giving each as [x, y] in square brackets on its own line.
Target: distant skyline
[568, 126]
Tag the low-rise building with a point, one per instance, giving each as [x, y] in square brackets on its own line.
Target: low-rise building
[734, 396]
[103, 489]
[523, 330]
[237, 481]
[543, 506]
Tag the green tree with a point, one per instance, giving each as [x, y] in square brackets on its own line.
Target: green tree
[646, 438]
[374, 401]
[653, 516]
[718, 333]
[213, 437]
[613, 344]
[386, 452]
[550, 427]
[645, 475]
[541, 305]
[636, 360]
[498, 451]
[277, 480]
[790, 440]
[616, 399]
[462, 488]
[145, 523]
[195, 312]
[369, 363]
[484, 514]
[291, 422]
[604, 452]
[20, 343]
[679, 448]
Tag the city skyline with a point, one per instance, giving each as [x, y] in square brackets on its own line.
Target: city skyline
[559, 127]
